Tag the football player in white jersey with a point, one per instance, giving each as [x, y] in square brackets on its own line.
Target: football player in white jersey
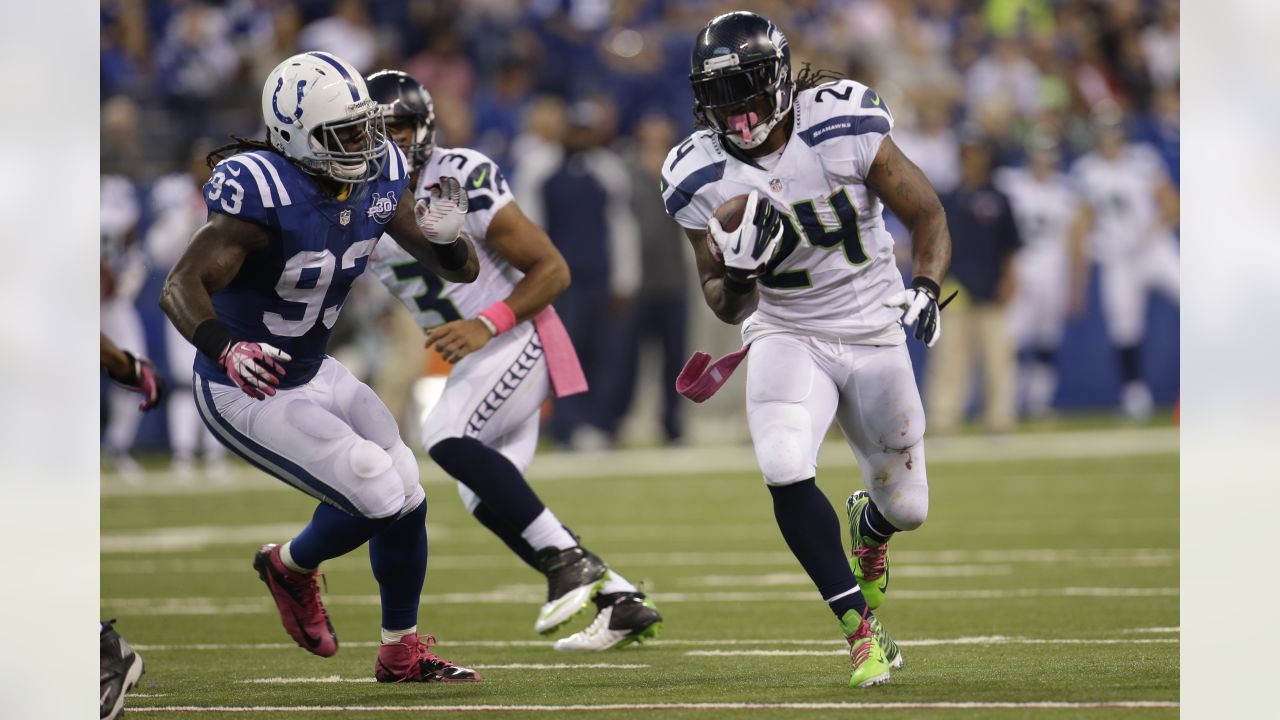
[509, 351]
[810, 273]
[1050, 269]
[1132, 207]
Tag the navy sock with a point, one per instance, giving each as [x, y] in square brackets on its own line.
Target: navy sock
[492, 477]
[398, 555]
[333, 533]
[812, 531]
[875, 526]
[506, 533]
[1130, 363]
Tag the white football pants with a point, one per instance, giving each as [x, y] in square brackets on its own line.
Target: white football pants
[331, 438]
[1125, 282]
[796, 385]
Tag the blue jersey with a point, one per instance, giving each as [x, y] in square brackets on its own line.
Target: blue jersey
[289, 293]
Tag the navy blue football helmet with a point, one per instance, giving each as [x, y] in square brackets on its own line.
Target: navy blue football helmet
[403, 100]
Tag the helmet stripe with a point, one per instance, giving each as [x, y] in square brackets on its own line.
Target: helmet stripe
[355, 94]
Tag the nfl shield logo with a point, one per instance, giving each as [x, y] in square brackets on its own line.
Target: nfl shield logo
[344, 218]
[775, 185]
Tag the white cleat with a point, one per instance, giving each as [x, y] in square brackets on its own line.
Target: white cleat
[630, 618]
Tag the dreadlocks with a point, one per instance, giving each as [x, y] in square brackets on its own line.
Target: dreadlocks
[221, 153]
[808, 78]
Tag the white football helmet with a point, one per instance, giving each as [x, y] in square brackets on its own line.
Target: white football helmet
[315, 105]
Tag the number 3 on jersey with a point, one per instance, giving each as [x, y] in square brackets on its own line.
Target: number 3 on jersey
[305, 281]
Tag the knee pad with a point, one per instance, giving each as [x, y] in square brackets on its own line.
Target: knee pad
[784, 456]
[378, 490]
[907, 508]
[405, 464]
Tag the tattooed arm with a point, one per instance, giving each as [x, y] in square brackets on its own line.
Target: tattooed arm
[907, 192]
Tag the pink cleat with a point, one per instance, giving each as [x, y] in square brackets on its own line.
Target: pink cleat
[410, 660]
[298, 600]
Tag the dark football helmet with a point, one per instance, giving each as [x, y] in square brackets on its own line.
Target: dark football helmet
[741, 77]
[404, 101]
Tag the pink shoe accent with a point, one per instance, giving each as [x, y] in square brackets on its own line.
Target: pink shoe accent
[858, 650]
[871, 560]
[411, 660]
[697, 385]
[298, 601]
[562, 361]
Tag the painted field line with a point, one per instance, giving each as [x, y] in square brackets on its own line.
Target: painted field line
[533, 595]
[783, 579]
[1173, 629]
[1111, 557]
[384, 709]
[835, 455]
[988, 640]
[508, 666]
[709, 642]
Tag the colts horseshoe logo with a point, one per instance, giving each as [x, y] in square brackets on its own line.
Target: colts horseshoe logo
[297, 113]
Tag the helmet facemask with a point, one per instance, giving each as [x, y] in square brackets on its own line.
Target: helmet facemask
[422, 137]
[744, 103]
[364, 134]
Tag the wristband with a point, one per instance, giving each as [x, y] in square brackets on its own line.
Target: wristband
[493, 329]
[738, 285]
[921, 281]
[500, 316]
[211, 338]
[452, 256]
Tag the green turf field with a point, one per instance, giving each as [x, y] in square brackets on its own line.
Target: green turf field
[1039, 578]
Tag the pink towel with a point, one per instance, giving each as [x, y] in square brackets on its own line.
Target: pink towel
[697, 385]
[562, 361]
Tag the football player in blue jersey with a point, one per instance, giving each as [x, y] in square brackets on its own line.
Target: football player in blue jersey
[292, 222]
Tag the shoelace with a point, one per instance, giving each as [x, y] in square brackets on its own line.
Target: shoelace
[421, 653]
[859, 651]
[871, 560]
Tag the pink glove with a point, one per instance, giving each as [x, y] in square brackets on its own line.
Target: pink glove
[697, 385]
[143, 379]
[249, 365]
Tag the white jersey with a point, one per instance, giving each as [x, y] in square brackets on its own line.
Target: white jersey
[1122, 193]
[434, 301]
[1043, 209]
[835, 266]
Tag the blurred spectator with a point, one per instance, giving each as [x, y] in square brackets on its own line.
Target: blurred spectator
[178, 210]
[1050, 270]
[1006, 76]
[1160, 45]
[346, 33]
[121, 142]
[500, 109]
[984, 239]
[124, 270]
[1133, 207]
[582, 200]
[932, 145]
[660, 310]
[195, 58]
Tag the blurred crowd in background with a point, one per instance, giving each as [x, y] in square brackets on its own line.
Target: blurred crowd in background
[537, 84]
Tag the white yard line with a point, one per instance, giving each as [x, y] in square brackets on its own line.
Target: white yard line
[987, 640]
[1152, 630]
[834, 644]
[835, 455]
[508, 666]
[522, 595]
[384, 709]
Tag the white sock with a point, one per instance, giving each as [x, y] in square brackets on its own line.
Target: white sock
[615, 583]
[393, 636]
[287, 559]
[546, 531]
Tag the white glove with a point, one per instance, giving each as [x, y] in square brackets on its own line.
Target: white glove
[441, 215]
[747, 250]
[920, 306]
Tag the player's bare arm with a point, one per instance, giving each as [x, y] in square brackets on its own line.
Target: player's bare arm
[729, 305]
[210, 262]
[456, 262]
[905, 189]
[546, 275]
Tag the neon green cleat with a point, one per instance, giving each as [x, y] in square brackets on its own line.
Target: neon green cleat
[892, 654]
[870, 562]
[870, 666]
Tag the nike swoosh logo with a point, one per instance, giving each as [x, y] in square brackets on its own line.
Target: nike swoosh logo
[233, 169]
[480, 180]
[737, 246]
[312, 643]
[876, 101]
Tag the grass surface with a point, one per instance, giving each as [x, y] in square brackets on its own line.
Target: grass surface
[1002, 597]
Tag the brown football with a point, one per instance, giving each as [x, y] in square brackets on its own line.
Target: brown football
[730, 213]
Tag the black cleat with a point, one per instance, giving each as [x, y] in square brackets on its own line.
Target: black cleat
[121, 667]
[623, 618]
[573, 578]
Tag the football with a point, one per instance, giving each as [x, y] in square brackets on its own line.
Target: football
[729, 214]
